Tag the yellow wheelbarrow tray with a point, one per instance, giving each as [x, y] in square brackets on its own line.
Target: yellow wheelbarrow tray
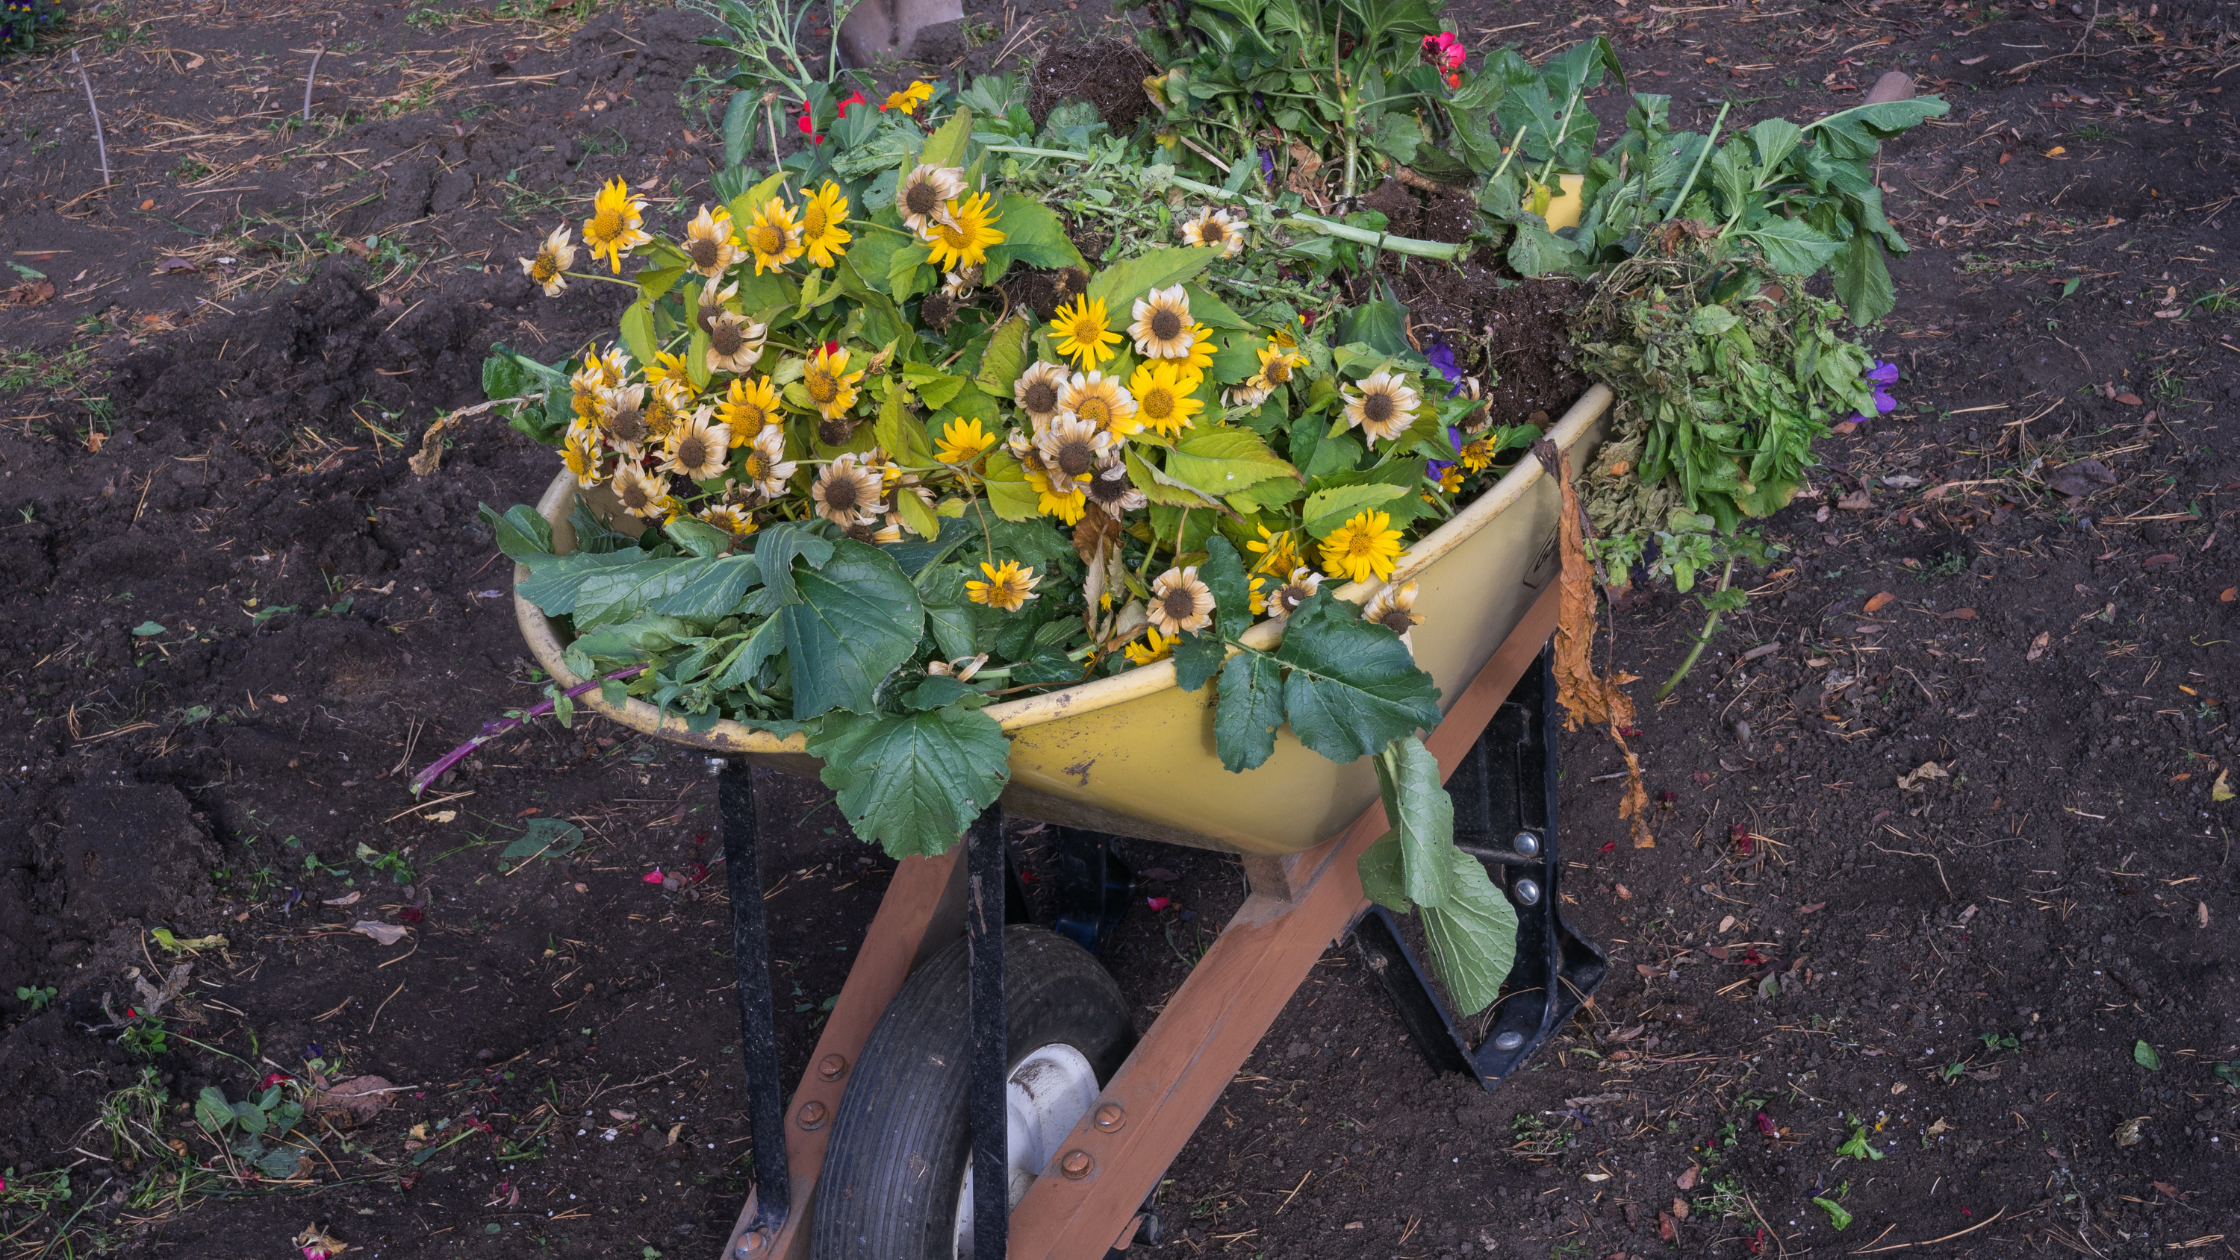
[1133, 754]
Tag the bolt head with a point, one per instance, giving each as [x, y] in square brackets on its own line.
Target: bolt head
[1508, 1041]
[811, 1114]
[1111, 1117]
[1076, 1164]
[832, 1066]
[750, 1243]
[1526, 891]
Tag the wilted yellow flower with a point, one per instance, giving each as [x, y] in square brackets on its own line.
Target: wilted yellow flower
[830, 386]
[1008, 587]
[553, 259]
[961, 235]
[1384, 408]
[1278, 553]
[1180, 602]
[910, 98]
[1215, 230]
[612, 229]
[1155, 647]
[709, 244]
[774, 237]
[1162, 327]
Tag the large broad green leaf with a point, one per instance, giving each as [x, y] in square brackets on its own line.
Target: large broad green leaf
[1858, 132]
[1225, 460]
[775, 549]
[1379, 868]
[637, 331]
[1863, 280]
[1352, 688]
[554, 581]
[946, 146]
[1032, 234]
[1538, 252]
[1119, 285]
[1005, 358]
[1211, 311]
[617, 595]
[1380, 324]
[913, 783]
[1775, 138]
[1197, 657]
[1326, 510]
[1009, 495]
[1422, 818]
[1473, 936]
[1224, 574]
[712, 589]
[1792, 248]
[1156, 485]
[1249, 711]
[521, 533]
[859, 617]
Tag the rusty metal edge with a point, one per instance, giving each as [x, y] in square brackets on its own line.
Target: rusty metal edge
[1229, 1000]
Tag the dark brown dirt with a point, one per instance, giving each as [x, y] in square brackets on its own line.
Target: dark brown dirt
[1107, 73]
[330, 621]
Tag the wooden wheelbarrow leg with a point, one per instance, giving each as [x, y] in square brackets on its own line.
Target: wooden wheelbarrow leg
[922, 911]
[1298, 908]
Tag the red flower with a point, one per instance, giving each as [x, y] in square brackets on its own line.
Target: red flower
[1744, 843]
[856, 99]
[1767, 1126]
[1445, 51]
[1157, 903]
[273, 1078]
[807, 121]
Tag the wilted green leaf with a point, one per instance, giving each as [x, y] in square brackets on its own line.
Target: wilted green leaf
[1119, 285]
[1473, 937]
[1221, 461]
[1837, 1216]
[1422, 819]
[1249, 711]
[2145, 1056]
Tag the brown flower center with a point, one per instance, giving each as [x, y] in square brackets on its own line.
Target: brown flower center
[660, 417]
[842, 494]
[1290, 597]
[835, 431]
[1042, 396]
[705, 253]
[1179, 604]
[1076, 458]
[920, 198]
[1108, 490]
[692, 452]
[634, 494]
[1166, 325]
[1212, 232]
[1396, 621]
[769, 239]
[758, 466]
[627, 424]
[604, 226]
[1278, 371]
[725, 338]
[1377, 408]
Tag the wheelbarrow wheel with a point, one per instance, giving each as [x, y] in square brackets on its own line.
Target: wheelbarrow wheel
[896, 1183]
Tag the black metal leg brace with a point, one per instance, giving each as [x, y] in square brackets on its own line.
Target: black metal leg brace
[1504, 815]
[758, 1031]
[984, 918]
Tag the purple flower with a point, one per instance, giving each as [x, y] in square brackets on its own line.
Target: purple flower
[1442, 362]
[1267, 166]
[1881, 375]
[1438, 467]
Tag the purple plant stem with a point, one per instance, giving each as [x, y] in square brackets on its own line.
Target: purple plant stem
[492, 730]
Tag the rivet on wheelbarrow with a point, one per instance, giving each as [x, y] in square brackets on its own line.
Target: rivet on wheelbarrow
[1508, 1041]
[811, 1114]
[831, 1067]
[750, 1243]
[1076, 1164]
[1527, 891]
[1111, 1117]
[1526, 844]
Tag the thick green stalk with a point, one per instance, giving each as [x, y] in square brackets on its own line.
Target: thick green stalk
[1681, 194]
[1710, 627]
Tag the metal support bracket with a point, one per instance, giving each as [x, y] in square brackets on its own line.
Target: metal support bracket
[1505, 816]
[758, 1030]
[1093, 886]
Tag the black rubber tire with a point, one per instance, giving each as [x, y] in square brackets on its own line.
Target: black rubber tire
[902, 1140]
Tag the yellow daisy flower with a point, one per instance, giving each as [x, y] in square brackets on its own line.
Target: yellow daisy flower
[1100, 400]
[748, 407]
[1276, 365]
[734, 342]
[1155, 647]
[581, 455]
[831, 387]
[765, 465]
[1080, 334]
[1362, 548]
[1200, 357]
[1066, 506]
[1181, 603]
[1477, 454]
[708, 242]
[1214, 229]
[1008, 587]
[1385, 407]
[963, 441]
[962, 236]
[910, 98]
[612, 229]
[554, 257]
[1040, 390]
[640, 495]
[696, 449]
[1163, 390]
[729, 519]
[667, 369]
[773, 237]
[822, 235]
[1451, 480]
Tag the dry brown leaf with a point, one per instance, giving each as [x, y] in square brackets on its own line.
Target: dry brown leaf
[1687, 1180]
[317, 1244]
[1679, 1208]
[1880, 601]
[1942, 1126]
[386, 933]
[2231, 593]
[2038, 645]
[354, 1101]
[1958, 614]
[2201, 913]
[1917, 779]
[1624, 893]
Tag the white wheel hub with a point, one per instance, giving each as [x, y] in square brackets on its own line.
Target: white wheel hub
[1046, 1095]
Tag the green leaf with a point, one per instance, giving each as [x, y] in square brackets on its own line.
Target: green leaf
[937, 691]
[1119, 285]
[1249, 711]
[503, 376]
[1223, 572]
[2144, 1055]
[1863, 283]
[1422, 818]
[1380, 875]
[1224, 460]
[1775, 139]
[1792, 248]
[1004, 359]
[859, 617]
[555, 581]
[1352, 688]
[212, 1111]
[711, 590]
[946, 147]
[1197, 657]
[917, 515]
[614, 595]
[147, 629]
[1211, 311]
[521, 532]
[1473, 937]
[697, 537]
[1538, 252]
[776, 548]
[1380, 324]
[913, 783]
[1008, 492]
[1033, 234]
[547, 838]
[1326, 510]
[901, 433]
[1837, 1216]
[637, 331]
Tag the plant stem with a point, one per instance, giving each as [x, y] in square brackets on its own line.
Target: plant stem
[1710, 627]
[1343, 231]
[1681, 194]
[492, 730]
[98, 139]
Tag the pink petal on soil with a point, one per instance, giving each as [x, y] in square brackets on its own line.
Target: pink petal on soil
[1767, 1126]
[1157, 903]
[653, 876]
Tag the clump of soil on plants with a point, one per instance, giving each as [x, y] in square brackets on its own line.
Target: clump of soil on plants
[1043, 292]
[1107, 73]
[1422, 213]
[1514, 336]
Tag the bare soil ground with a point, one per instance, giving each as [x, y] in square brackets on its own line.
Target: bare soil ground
[217, 689]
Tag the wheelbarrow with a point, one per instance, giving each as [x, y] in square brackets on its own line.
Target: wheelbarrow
[978, 1090]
